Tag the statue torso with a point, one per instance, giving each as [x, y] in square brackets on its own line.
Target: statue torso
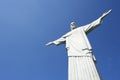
[77, 43]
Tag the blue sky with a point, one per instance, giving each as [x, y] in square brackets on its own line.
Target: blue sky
[27, 25]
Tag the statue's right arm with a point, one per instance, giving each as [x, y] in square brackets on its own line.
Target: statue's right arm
[53, 43]
[49, 43]
[56, 42]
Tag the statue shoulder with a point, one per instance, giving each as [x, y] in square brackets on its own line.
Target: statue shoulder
[67, 34]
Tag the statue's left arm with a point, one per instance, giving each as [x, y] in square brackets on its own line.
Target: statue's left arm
[88, 28]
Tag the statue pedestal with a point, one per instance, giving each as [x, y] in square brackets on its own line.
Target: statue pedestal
[82, 68]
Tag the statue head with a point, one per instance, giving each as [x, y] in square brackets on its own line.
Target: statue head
[73, 25]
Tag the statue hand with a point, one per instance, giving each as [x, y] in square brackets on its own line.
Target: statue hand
[49, 43]
[105, 14]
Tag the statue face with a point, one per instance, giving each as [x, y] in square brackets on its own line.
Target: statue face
[73, 25]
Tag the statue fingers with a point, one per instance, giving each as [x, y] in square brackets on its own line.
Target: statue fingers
[109, 11]
[106, 13]
[49, 43]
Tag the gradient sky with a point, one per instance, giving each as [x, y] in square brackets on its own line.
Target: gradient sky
[27, 25]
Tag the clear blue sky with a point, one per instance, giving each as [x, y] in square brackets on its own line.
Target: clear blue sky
[27, 25]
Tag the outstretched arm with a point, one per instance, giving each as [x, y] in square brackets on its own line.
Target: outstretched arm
[59, 41]
[56, 42]
[88, 28]
[105, 14]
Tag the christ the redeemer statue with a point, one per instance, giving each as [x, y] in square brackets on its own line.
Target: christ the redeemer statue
[81, 61]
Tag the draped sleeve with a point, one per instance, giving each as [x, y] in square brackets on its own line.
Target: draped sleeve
[89, 27]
